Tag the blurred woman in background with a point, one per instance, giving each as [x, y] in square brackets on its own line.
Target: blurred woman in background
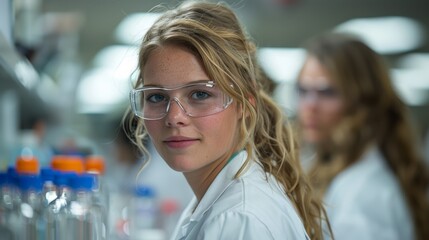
[367, 165]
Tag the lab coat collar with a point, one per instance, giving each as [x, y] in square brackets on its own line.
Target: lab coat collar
[222, 181]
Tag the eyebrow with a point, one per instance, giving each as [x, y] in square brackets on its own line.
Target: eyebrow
[315, 86]
[192, 82]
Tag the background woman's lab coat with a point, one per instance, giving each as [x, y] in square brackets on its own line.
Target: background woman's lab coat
[366, 202]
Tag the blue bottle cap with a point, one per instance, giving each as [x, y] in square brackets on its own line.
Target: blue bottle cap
[11, 170]
[27, 182]
[12, 175]
[144, 191]
[47, 174]
[64, 178]
[4, 178]
[85, 182]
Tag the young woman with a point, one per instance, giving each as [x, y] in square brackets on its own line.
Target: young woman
[374, 181]
[200, 102]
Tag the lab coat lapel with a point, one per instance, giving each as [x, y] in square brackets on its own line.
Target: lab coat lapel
[224, 179]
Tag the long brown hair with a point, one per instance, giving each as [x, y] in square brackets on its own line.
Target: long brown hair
[213, 33]
[374, 114]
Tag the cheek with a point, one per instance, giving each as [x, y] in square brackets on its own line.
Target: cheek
[301, 111]
[223, 128]
[333, 115]
[152, 128]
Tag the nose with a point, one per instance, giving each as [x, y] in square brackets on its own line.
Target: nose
[309, 102]
[176, 114]
[310, 98]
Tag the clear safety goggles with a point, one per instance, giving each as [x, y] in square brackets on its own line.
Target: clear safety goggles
[197, 99]
[317, 94]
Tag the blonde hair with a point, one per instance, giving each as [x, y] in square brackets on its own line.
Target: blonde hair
[374, 114]
[213, 33]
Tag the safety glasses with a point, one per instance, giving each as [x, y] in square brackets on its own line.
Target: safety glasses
[198, 99]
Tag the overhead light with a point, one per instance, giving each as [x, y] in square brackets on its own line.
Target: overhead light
[133, 27]
[282, 64]
[412, 78]
[412, 85]
[414, 60]
[101, 90]
[26, 74]
[107, 85]
[121, 59]
[286, 96]
[386, 35]
[47, 89]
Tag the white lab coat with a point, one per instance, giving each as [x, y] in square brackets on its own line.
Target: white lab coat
[365, 201]
[250, 207]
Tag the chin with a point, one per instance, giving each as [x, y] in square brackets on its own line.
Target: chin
[179, 165]
[312, 138]
[179, 168]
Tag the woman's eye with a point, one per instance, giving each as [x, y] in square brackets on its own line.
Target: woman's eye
[301, 91]
[200, 95]
[155, 98]
[328, 92]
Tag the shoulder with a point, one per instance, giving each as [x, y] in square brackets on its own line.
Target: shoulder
[256, 202]
[238, 224]
[234, 224]
[367, 180]
[367, 197]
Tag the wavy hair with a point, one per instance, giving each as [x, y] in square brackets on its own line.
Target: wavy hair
[214, 34]
[374, 114]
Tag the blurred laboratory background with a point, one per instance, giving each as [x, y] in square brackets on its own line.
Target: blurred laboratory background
[66, 68]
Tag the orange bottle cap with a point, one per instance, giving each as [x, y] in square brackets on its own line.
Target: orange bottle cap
[68, 163]
[56, 161]
[27, 165]
[95, 164]
[169, 206]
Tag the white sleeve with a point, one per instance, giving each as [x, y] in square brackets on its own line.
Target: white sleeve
[370, 223]
[356, 228]
[353, 228]
[235, 225]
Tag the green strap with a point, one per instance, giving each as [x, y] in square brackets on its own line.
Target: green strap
[232, 156]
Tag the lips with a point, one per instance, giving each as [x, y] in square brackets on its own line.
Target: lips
[311, 125]
[180, 141]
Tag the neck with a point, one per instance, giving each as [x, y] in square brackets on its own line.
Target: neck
[201, 180]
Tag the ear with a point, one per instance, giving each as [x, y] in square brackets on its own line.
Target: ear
[252, 100]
